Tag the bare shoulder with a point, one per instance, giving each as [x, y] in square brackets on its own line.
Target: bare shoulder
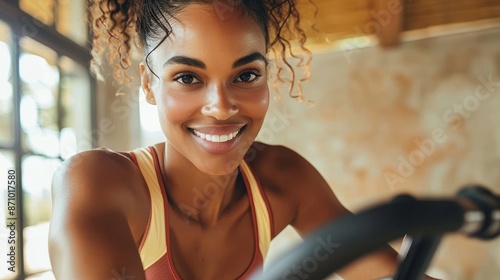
[300, 195]
[280, 164]
[272, 156]
[99, 209]
[95, 172]
[98, 181]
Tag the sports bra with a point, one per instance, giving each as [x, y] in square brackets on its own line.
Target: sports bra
[153, 249]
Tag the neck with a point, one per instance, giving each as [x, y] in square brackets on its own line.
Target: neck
[200, 198]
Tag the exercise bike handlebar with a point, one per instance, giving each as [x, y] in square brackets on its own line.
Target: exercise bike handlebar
[475, 211]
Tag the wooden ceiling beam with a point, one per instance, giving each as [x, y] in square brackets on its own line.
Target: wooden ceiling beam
[387, 16]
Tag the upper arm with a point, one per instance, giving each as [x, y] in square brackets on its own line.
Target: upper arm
[90, 235]
[316, 204]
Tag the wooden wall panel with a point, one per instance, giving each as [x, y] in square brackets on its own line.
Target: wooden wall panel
[422, 14]
[340, 18]
[348, 18]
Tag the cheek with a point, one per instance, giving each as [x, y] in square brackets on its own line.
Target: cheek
[175, 109]
[259, 104]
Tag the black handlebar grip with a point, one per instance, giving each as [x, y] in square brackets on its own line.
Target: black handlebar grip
[488, 203]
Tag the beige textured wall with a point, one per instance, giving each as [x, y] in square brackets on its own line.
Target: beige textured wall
[423, 118]
[118, 119]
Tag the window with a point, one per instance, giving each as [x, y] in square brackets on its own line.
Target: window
[41, 10]
[6, 108]
[6, 164]
[66, 16]
[40, 93]
[46, 102]
[70, 19]
[7, 156]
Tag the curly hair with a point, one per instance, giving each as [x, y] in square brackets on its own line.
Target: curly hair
[122, 28]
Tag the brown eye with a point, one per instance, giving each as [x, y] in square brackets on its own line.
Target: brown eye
[187, 79]
[248, 77]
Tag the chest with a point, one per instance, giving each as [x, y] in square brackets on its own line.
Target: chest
[225, 251]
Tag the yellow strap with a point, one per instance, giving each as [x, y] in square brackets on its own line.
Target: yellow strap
[155, 240]
[155, 245]
[261, 213]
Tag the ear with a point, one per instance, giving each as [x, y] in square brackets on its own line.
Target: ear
[146, 85]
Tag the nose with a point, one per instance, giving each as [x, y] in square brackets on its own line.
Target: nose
[219, 104]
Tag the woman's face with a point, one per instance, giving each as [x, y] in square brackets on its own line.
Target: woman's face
[212, 95]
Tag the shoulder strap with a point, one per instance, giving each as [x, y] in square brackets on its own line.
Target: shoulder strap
[262, 210]
[153, 245]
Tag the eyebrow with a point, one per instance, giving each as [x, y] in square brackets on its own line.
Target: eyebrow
[184, 60]
[256, 56]
[189, 61]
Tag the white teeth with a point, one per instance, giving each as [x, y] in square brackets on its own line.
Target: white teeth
[216, 138]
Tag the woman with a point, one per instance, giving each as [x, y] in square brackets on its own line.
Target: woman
[206, 203]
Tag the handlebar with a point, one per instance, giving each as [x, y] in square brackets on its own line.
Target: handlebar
[475, 211]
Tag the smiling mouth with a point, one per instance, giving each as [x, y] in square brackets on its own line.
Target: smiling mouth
[217, 138]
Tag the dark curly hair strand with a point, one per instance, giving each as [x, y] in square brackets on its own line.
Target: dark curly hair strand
[121, 28]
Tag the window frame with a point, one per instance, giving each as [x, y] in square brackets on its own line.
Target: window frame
[21, 24]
